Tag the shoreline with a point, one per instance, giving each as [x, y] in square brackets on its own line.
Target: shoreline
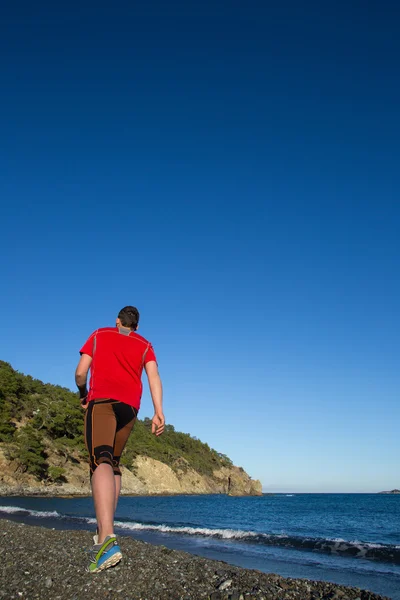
[50, 564]
[61, 492]
[64, 494]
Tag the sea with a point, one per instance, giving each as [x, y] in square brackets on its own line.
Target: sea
[351, 539]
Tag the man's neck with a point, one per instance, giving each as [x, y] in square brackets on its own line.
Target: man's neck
[125, 330]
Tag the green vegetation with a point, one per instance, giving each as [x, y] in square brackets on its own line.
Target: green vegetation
[30, 451]
[39, 420]
[56, 474]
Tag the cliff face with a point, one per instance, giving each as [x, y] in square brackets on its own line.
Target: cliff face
[161, 479]
[147, 477]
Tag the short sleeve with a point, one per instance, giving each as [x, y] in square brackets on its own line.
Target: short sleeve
[149, 355]
[88, 346]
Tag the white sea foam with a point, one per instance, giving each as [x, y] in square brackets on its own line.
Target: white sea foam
[11, 509]
[204, 531]
[44, 513]
[356, 543]
[134, 526]
[34, 513]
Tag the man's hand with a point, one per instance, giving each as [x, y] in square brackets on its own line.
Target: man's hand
[81, 378]
[158, 424]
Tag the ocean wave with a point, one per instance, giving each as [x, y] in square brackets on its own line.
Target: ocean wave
[34, 513]
[356, 549]
[338, 546]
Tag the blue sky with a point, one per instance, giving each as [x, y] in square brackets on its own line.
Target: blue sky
[232, 170]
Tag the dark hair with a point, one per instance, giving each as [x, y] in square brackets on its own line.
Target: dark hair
[129, 317]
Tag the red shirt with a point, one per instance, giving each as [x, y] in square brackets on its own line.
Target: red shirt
[117, 365]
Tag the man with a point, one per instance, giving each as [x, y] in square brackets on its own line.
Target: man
[116, 357]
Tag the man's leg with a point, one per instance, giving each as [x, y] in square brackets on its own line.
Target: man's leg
[126, 417]
[117, 480]
[100, 430]
[104, 492]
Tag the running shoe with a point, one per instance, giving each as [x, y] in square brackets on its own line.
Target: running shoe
[105, 555]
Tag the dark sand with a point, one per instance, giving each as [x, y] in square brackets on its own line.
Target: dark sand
[51, 565]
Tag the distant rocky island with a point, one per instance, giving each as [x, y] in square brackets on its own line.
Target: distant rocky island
[391, 492]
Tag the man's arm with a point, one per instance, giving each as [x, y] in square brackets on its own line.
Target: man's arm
[81, 374]
[156, 392]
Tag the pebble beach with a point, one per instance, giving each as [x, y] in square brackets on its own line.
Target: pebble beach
[48, 564]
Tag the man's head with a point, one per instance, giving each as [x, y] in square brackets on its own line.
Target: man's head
[128, 317]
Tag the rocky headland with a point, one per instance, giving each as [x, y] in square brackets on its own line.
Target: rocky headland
[147, 477]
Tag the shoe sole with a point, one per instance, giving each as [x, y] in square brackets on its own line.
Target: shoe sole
[110, 562]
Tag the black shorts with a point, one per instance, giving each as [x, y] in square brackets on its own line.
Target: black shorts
[108, 424]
